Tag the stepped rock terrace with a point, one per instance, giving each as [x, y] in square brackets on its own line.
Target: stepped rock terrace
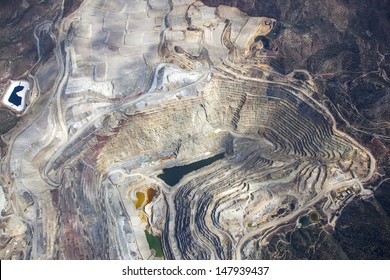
[152, 85]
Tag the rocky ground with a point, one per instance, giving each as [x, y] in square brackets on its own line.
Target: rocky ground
[345, 45]
[97, 140]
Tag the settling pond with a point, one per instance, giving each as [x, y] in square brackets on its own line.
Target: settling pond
[172, 176]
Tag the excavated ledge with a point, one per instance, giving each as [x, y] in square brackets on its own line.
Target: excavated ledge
[150, 85]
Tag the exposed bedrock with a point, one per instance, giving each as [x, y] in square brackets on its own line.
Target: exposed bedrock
[203, 83]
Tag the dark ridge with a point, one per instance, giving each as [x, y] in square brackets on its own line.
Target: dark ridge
[71, 5]
[254, 8]
[363, 231]
[7, 120]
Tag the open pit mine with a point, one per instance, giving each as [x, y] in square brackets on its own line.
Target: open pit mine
[170, 130]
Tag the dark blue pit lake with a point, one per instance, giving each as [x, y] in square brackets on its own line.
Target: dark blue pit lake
[172, 176]
[14, 98]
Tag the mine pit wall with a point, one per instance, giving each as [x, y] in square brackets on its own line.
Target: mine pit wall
[319, 142]
[285, 127]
